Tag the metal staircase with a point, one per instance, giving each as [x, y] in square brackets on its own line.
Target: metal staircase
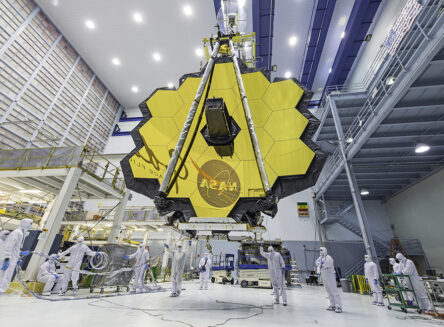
[334, 212]
[356, 268]
[382, 247]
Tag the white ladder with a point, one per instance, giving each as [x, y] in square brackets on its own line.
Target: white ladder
[295, 275]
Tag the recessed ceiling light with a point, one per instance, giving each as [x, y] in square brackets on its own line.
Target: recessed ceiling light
[157, 56]
[421, 148]
[342, 35]
[187, 10]
[390, 80]
[135, 89]
[329, 71]
[364, 191]
[138, 18]
[287, 74]
[342, 20]
[170, 85]
[349, 139]
[199, 52]
[292, 41]
[116, 61]
[90, 24]
[30, 191]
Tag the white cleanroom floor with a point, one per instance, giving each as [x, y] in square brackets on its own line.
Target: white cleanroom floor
[221, 304]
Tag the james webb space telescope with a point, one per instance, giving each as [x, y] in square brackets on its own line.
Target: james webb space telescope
[227, 144]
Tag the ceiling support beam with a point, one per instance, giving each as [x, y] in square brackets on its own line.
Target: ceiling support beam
[357, 27]
[263, 21]
[318, 33]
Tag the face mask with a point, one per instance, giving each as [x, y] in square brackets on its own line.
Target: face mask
[367, 258]
[179, 250]
[323, 252]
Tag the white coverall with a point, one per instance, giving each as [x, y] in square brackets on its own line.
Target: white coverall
[142, 257]
[275, 265]
[397, 269]
[149, 270]
[177, 267]
[204, 276]
[372, 274]
[11, 250]
[77, 251]
[3, 236]
[47, 275]
[326, 266]
[417, 285]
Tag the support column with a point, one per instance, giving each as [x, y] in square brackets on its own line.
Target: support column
[318, 222]
[53, 222]
[47, 211]
[75, 232]
[145, 238]
[192, 255]
[354, 189]
[118, 218]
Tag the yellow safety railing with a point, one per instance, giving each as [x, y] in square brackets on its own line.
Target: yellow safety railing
[241, 42]
[360, 285]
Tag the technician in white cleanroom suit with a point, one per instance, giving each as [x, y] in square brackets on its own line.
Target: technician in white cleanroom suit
[148, 267]
[276, 268]
[177, 269]
[77, 251]
[204, 268]
[10, 252]
[408, 268]
[397, 269]
[395, 266]
[47, 274]
[142, 257]
[326, 268]
[372, 275]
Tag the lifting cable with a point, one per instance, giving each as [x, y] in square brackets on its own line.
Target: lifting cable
[193, 137]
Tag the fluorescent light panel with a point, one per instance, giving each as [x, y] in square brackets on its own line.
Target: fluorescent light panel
[30, 191]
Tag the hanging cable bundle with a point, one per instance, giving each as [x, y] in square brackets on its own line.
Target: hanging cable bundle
[99, 261]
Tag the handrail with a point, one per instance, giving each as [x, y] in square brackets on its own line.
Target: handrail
[64, 157]
[375, 83]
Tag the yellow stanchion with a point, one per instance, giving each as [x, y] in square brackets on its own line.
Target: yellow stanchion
[360, 285]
